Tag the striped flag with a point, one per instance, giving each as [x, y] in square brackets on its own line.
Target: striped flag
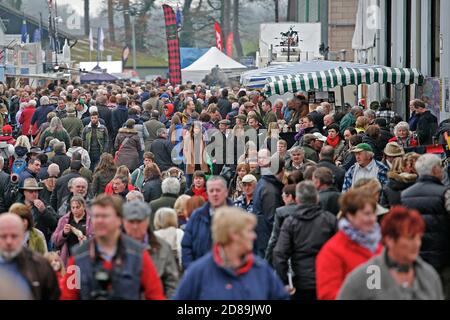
[91, 41]
[101, 40]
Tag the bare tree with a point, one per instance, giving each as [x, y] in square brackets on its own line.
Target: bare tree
[112, 32]
[186, 35]
[87, 20]
[127, 21]
[226, 18]
[292, 10]
[237, 36]
[277, 11]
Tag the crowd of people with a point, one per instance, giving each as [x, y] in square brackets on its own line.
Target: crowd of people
[147, 191]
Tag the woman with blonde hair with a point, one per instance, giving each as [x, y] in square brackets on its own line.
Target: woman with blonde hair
[180, 208]
[34, 238]
[401, 176]
[208, 278]
[57, 131]
[362, 123]
[57, 265]
[166, 227]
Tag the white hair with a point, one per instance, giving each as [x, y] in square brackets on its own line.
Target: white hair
[425, 164]
[401, 125]
[170, 185]
[134, 195]
[320, 109]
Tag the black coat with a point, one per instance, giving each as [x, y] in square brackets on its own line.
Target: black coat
[385, 136]
[152, 189]
[391, 195]
[4, 182]
[338, 173]
[427, 126]
[301, 237]
[427, 196]
[375, 146]
[266, 199]
[162, 149]
[61, 189]
[104, 113]
[224, 106]
[62, 160]
[329, 200]
[280, 215]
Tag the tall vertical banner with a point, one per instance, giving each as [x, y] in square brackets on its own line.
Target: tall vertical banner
[230, 40]
[219, 41]
[173, 45]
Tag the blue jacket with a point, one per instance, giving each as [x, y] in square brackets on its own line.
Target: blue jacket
[40, 115]
[206, 280]
[197, 239]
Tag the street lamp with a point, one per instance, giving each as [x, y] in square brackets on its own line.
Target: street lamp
[133, 37]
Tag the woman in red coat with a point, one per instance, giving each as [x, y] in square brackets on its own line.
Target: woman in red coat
[25, 119]
[357, 241]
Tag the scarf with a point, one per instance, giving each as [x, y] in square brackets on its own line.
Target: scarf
[333, 142]
[367, 240]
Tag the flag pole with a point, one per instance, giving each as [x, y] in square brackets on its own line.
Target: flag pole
[98, 46]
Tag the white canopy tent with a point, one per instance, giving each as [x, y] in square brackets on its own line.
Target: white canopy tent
[197, 71]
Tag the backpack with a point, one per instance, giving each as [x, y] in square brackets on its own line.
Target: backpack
[18, 166]
[4, 151]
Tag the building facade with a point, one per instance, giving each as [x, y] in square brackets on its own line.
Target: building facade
[338, 19]
[408, 34]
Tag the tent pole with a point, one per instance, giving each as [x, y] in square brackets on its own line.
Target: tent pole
[342, 98]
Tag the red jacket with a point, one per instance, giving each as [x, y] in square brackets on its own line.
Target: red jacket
[150, 282]
[25, 120]
[109, 189]
[412, 141]
[337, 258]
[8, 139]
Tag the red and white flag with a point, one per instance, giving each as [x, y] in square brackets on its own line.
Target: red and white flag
[219, 41]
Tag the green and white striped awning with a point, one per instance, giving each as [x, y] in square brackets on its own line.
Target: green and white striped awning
[341, 77]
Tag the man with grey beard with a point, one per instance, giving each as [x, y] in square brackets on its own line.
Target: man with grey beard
[25, 266]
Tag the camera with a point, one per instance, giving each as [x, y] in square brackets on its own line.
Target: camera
[103, 280]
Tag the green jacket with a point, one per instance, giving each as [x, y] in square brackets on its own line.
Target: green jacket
[269, 117]
[36, 241]
[137, 177]
[60, 135]
[73, 125]
[102, 137]
[347, 121]
[311, 154]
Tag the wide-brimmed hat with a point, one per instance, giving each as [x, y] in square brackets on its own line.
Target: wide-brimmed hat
[30, 184]
[393, 149]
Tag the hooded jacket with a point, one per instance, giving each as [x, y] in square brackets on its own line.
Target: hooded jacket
[301, 237]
